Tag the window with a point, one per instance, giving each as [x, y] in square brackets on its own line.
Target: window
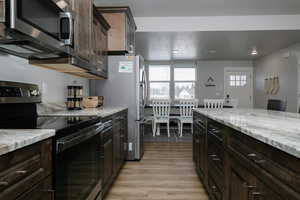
[159, 80]
[238, 80]
[184, 82]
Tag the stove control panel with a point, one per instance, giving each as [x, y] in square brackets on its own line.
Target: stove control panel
[14, 92]
[10, 92]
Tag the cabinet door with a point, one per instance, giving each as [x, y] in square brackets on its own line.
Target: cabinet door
[242, 184]
[117, 145]
[196, 146]
[130, 36]
[108, 161]
[264, 192]
[117, 32]
[42, 191]
[83, 10]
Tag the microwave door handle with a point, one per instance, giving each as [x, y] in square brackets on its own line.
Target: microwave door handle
[71, 26]
[69, 16]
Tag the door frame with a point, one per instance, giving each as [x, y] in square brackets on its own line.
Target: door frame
[241, 69]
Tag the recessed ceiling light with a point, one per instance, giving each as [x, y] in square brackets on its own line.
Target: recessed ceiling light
[254, 52]
[212, 51]
[175, 51]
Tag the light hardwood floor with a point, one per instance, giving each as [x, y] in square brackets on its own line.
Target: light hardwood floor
[166, 172]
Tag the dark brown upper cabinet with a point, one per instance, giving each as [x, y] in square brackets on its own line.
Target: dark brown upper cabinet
[121, 36]
[88, 57]
[83, 11]
[100, 43]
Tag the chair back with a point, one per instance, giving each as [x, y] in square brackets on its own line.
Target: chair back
[161, 108]
[213, 103]
[276, 104]
[186, 107]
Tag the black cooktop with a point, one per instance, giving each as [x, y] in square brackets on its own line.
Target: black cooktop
[60, 124]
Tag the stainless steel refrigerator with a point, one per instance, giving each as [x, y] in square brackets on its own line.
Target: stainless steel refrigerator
[126, 86]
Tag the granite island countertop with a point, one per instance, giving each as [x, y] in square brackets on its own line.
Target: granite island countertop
[89, 112]
[13, 139]
[278, 129]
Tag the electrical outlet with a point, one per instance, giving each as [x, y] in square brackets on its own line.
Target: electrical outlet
[130, 146]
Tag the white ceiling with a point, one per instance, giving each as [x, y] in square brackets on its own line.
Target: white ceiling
[229, 45]
[162, 8]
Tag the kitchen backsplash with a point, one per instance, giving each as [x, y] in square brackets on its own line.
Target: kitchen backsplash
[53, 84]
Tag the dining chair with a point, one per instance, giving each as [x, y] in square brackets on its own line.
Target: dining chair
[161, 114]
[186, 113]
[214, 103]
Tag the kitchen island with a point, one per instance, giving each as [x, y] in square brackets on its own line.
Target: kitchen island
[247, 153]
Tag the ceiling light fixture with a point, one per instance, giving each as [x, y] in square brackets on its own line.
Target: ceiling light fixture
[254, 52]
[175, 51]
[212, 51]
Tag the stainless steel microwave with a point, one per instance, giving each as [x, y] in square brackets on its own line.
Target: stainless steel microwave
[35, 28]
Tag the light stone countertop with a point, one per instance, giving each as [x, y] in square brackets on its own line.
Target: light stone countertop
[13, 139]
[90, 112]
[278, 129]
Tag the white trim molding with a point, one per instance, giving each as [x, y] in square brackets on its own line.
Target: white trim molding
[218, 23]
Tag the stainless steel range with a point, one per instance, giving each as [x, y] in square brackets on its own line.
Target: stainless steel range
[78, 158]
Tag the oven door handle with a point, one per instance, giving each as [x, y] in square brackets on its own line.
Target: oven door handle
[69, 141]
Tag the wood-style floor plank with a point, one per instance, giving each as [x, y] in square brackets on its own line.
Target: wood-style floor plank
[166, 172]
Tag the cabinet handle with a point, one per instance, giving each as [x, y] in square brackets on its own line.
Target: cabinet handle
[214, 189]
[256, 195]
[21, 172]
[4, 183]
[197, 141]
[213, 155]
[216, 159]
[251, 155]
[259, 161]
[249, 186]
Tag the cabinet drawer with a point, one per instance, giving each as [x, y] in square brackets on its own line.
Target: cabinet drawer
[23, 168]
[41, 191]
[278, 164]
[215, 152]
[20, 171]
[214, 191]
[216, 129]
[199, 120]
[15, 190]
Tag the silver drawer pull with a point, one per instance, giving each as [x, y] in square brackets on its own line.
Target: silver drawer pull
[216, 159]
[251, 155]
[21, 172]
[3, 183]
[259, 161]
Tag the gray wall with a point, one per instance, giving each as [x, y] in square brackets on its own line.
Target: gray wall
[205, 69]
[52, 83]
[284, 63]
[215, 69]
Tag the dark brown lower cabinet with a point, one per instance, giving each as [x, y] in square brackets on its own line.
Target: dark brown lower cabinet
[26, 174]
[242, 184]
[107, 161]
[115, 149]
[234, 166]
[199, 147]
[41, 191]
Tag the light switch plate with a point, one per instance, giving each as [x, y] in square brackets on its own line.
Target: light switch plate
[130, 146]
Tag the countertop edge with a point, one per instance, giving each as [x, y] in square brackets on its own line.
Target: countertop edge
[16, 145]
[104, 112]
[266, 140]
